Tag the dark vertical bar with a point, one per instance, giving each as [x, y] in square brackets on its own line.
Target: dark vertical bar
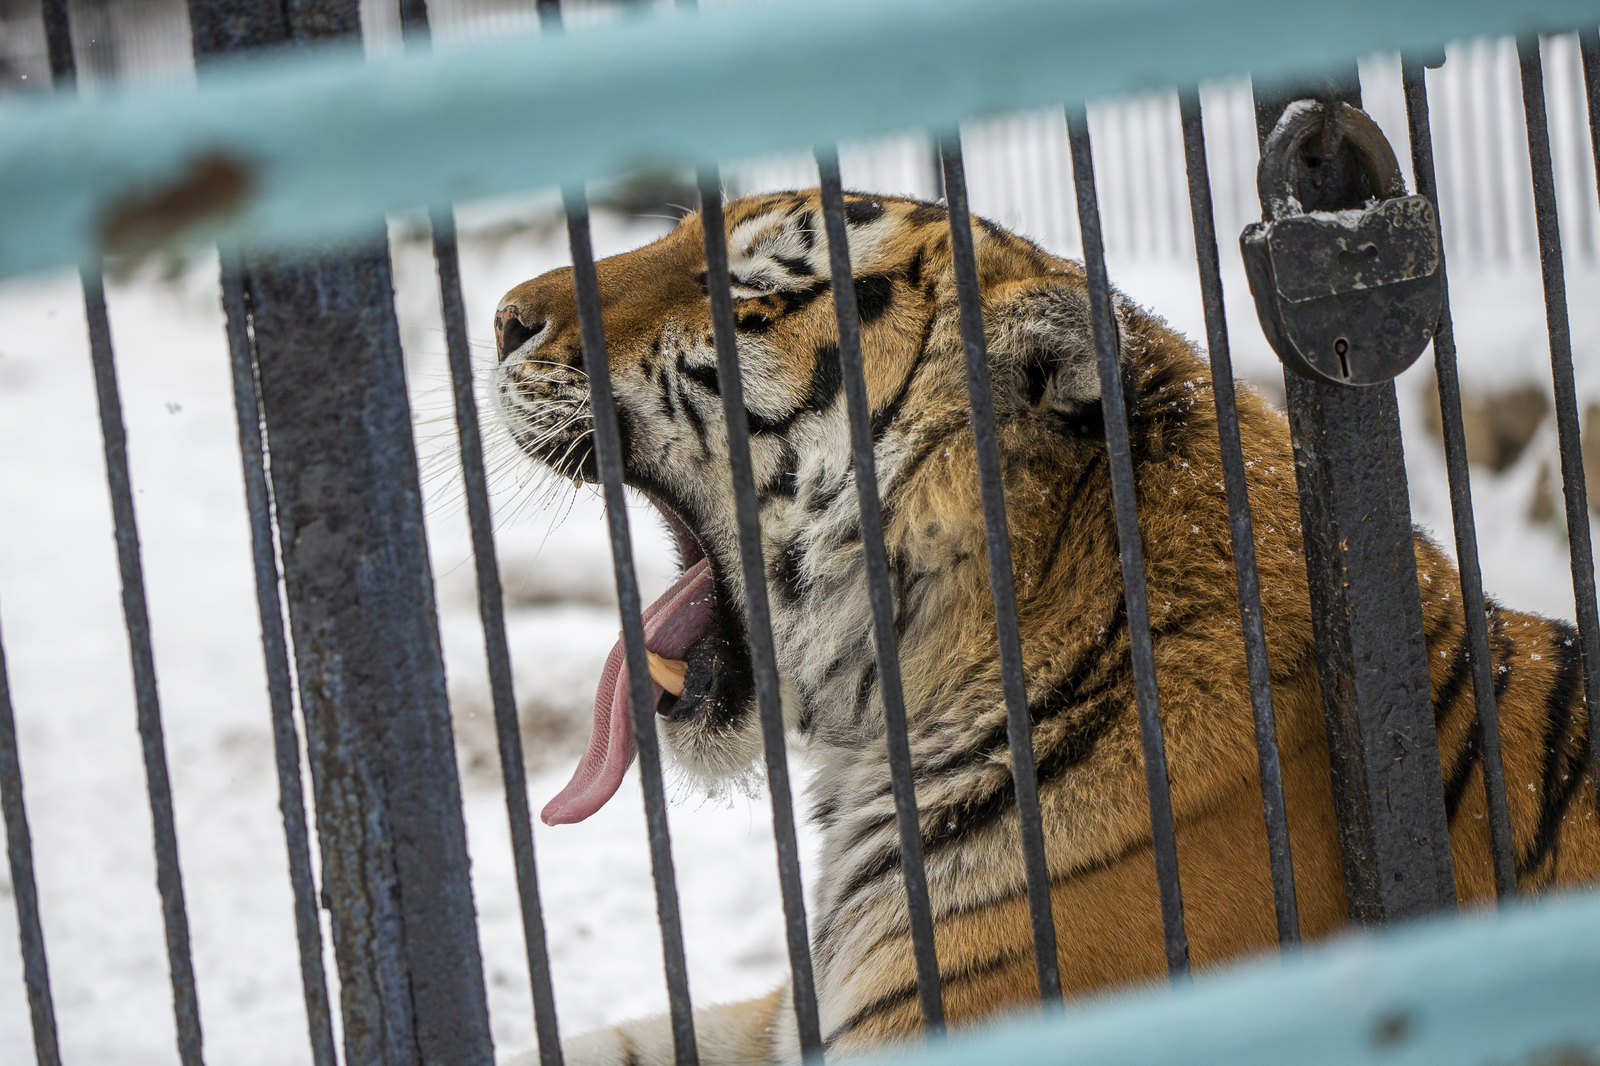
[1124, 494]
[371, 673]
[1589, 46]
[491, 607]
[1019, 727]
[286, 745]
[169, 878]
[1239, 521]
[491, 611]
[608, 456]
[58, 42]
[1455, 456]
[414, 18]
[764, 662]
[607, 443]
[1573, 487]
[881, 594]
[220, 26]
[1366, 614]
[762, 658]
[345, 491]
[19, 850]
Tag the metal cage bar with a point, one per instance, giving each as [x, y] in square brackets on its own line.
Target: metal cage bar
[764, 662]
[1366, 616]
[491, 611]
[608, 459]
[1473, 602]
[1589, 48]
[880, 591]
[274, 646]
[491, 605]
[19, 851]
[1573, 488]
[347, 503]
[169, 876]
[1124, 494]
[1240, 525]
[1002, 587]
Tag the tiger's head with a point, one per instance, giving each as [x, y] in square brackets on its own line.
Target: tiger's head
[662, 359]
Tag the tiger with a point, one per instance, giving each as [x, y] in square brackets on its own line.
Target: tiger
[1074, 623]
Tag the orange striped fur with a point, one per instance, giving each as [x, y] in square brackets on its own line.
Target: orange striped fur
[1073, 622]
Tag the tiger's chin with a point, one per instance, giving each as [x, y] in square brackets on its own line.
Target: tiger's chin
[715, 756]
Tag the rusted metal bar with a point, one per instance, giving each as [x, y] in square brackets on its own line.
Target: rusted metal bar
[608, 460]
[491, 606]
[763, 657]
[1574, 487]
[1455, 457]
[1124, 496]
[1002, 585]
[135, 612]
[25, 890]
[285, 740]
[1361, 564]
[366, 642]
[919, 911]
[1240, 527]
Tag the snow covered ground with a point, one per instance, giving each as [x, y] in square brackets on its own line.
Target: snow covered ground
[70, 680]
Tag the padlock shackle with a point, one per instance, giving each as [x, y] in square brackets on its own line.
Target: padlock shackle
[1285, 158]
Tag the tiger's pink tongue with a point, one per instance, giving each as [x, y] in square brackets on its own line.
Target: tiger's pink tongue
[671, 624]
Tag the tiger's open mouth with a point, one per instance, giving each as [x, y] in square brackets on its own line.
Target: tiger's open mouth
[690, 637]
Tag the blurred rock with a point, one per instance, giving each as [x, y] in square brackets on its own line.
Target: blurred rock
[528, 581]
[1498, 426]
[1547, 491]
[551, 733]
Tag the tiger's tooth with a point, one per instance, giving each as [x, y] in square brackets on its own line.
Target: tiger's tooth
[668, 673]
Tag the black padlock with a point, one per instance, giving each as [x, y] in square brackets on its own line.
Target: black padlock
[1346, 274]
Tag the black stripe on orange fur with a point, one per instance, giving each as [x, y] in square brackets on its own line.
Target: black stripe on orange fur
[1556, 793]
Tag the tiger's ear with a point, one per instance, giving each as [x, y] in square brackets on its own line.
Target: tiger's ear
[1041, 345]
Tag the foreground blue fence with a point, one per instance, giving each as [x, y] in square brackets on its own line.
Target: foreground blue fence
[1517, 986]
[260, 154]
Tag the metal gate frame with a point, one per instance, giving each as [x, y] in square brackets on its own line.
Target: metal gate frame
[338, 507]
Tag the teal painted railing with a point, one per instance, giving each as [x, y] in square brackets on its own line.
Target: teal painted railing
[1521, 986]
[311, 145]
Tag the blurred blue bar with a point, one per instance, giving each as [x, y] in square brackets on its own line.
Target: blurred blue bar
[1517, 985]
[311, 145]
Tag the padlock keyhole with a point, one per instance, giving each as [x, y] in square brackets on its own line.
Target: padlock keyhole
[1368, 252]
[1341, 348]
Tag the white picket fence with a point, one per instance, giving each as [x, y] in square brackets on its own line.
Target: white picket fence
[1019, 167]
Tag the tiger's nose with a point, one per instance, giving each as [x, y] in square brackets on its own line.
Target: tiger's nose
[513, 327]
